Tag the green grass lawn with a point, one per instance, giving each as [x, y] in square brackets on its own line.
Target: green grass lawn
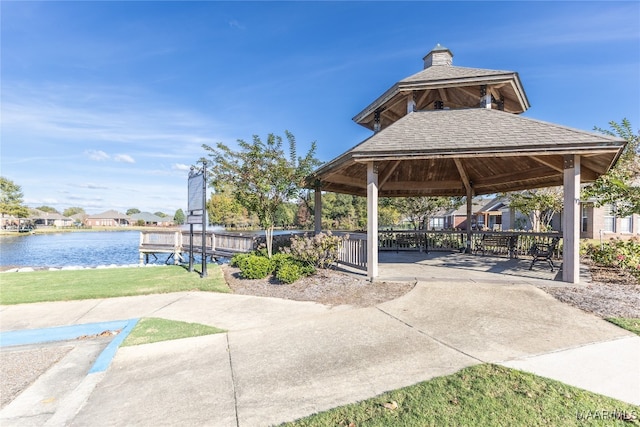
[153, 329]
[482, 395]
[64, 285]
[630, 324]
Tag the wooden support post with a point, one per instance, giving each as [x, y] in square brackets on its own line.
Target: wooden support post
[411, 103]
[372, 220]
[317, 210]
[141, 254]
[469, 216]
[571, 220]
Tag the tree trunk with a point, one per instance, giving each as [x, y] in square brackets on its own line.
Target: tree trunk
[268, 234]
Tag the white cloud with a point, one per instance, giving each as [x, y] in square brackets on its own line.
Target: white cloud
[97, 155]
[123, 158]
[180, 167]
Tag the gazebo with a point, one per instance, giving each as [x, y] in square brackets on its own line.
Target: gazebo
[452, 131]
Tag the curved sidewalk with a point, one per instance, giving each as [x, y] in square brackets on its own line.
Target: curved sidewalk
[282, 360]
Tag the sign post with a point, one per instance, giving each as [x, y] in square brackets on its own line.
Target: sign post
[197, 211]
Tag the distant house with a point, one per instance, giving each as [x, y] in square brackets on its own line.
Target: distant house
[49, 219]
[486, 214]
[597, 222]
[151, 219]
[110, 218]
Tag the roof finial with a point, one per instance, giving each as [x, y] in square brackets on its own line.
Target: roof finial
[439, 55]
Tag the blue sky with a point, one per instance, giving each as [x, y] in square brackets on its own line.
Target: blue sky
[104, 105]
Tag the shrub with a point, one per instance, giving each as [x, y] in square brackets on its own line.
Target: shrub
[617, 253]
[255, 267]
[237, 259]
[289, 272]
[319, 251]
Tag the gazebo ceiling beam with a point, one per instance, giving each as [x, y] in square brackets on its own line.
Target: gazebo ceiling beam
[421, 99]
[443, 94]
[418, 185]
[555, 163]
[391, 114]
[464, 176]
[516, 176]
[387, 172]
[358, 182]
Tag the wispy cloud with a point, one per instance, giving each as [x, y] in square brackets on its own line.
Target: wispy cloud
[97, 155]
[123, 158]
[180, 167]
[234, 23]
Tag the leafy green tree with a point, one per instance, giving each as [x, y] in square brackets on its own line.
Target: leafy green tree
[539, 204]
[73, 211]
[179, 217]
[418, 210]
[133, 211]
[224, 209]
[285, 214]
[620, 186]
[160, 214]
[48, 209]
[262, 175]
[11, 199]
[388, 216]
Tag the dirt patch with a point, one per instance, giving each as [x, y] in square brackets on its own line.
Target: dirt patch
[612, 293]
[329, 287]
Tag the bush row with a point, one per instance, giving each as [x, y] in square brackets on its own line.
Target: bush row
[617, 253]
[301, 259]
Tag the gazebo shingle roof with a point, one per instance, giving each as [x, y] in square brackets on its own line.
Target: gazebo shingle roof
[476, 130]
[422, 153]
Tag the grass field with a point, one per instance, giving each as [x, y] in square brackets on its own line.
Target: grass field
[153, 329]
[65, 285]
[482, 395]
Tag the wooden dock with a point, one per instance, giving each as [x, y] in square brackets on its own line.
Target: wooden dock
[176, 244]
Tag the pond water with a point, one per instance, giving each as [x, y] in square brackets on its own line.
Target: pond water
[85, 249]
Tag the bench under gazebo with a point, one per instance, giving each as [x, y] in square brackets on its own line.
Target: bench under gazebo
[457, 131]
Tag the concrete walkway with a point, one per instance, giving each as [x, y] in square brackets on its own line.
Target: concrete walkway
[282, 360]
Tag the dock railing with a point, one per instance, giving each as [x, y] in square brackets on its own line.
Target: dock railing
[353, 252]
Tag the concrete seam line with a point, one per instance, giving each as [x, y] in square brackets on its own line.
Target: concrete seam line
[431, 336]
[170, 303]
[89, 310]
[233, 383]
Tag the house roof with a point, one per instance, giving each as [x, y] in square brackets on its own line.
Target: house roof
[38, 214]
[110, 214]
[439, 152]
[148, 217]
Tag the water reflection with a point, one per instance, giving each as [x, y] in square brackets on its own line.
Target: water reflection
[86, 249]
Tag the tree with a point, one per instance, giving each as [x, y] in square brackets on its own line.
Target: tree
[418, 210]
[160, 214]
[620, 186]
[48, 209]
[133, 211]
[73, 211]
[540, 205]
[11, 202]
[179, 217]
[224, 209]
[388, 216]
[262, 176]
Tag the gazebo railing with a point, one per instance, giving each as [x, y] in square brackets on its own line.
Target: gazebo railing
[353, 251]
[448, 240]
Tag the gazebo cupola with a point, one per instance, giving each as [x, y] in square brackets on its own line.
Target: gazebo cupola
[441, 85]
